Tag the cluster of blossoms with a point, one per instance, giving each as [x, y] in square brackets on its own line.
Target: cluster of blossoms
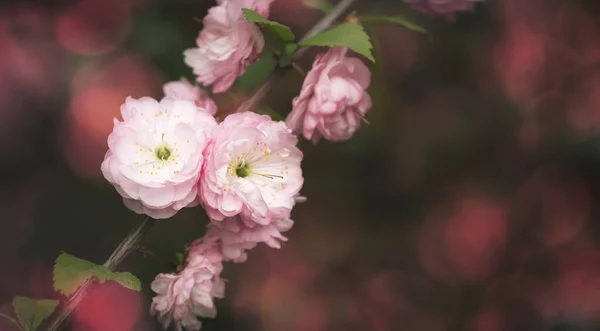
[183, 297]
[245, 171]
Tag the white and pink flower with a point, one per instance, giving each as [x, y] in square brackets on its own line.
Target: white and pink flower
[155, 154]
[252, 169]
[227, 44]
[333, 99]
[183, 90]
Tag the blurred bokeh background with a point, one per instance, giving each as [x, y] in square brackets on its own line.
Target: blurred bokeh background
[469, 202]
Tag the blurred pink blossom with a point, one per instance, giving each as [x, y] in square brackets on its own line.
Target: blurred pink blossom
[442, 7]
[182, 297]
[227, 44]
[155, 154]
[183, 89]
[252, 169]
[333, 99]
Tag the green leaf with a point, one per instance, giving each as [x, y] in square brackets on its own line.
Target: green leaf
[396, 20]
[127, 280]
[282, 31]
[101, 273]
[347, 35]
[70, 273]
[258, 72]
[32, 312]
[285, 59]
[322, 5]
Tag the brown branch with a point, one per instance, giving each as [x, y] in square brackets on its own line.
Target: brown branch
[132, 240]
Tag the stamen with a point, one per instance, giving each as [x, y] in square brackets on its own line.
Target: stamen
[269, 176]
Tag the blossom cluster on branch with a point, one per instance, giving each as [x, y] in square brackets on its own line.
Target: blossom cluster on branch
[244, 171]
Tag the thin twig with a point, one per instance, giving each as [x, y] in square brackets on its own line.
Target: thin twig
[145, 251]
[298, 69]
[128, 245]
[12, 320]
[132, 240]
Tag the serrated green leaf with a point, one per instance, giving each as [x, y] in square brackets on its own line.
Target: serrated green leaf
[127, 280]
[285, 59]
[322, 5]
[347, 35]
[32, 312]
[70, 273]
[396, 20]
[258, 72]
[101, 273]
[282, 31]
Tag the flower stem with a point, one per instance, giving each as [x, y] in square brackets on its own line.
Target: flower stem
[128, 245]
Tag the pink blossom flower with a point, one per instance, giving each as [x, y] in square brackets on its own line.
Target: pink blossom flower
[333, 99]
[442, 7]
[182, 298]
[183, 89]
[237, 236]
[227, 44]
[252, 169]
[155, 154]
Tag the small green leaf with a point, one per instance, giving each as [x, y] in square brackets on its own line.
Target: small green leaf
[396, 20]
[258, 72]
[347, 35]
[322, 5]
[285, 59]
[70, 273]
[282, 31]
[32, 312]
[127, 280]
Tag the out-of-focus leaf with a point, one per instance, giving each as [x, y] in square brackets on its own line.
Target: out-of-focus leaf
[396, 20]
[347, 35]
[31, 312]
[322, 5]
[282, 31]
[258, 72]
